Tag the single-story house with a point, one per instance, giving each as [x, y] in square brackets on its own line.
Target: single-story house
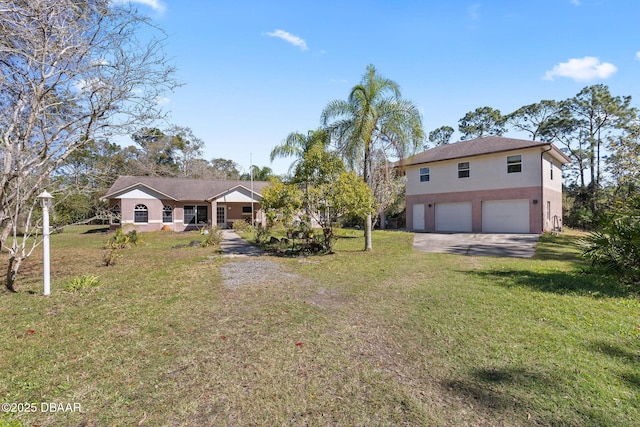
[179, 204]
[491, 184]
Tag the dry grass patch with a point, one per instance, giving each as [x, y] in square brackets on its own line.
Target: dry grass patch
[391, 337]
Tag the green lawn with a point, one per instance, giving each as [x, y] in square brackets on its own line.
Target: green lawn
[388, 337]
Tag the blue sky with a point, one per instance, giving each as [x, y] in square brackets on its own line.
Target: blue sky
[254, 71]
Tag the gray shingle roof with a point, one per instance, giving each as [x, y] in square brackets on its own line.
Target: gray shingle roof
[182, 188]
[478, 147]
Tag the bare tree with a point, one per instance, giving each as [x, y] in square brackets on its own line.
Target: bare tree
[70, 71]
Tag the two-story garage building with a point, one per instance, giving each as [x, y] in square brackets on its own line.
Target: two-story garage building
[491, 185]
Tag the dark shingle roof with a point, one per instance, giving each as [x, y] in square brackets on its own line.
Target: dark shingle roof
[182, 188]
[478, 147]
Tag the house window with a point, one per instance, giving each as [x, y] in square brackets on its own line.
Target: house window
[463, 170]
[141, 214]
[551, 169]
[425, 174]
[246, 210]
[115, 214]
[167, 214]
[548, 211]
[514, 163]
[196, 215]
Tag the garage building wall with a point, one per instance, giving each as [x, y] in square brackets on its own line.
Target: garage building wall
[488, 172]
[476, 198]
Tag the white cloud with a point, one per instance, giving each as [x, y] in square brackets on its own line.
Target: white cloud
[289, 38]
[637, 55]
[575, 2]
[582, 69]
[162, 100]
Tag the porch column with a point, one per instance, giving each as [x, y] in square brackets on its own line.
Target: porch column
[214, 213]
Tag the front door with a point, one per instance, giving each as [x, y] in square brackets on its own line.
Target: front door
[221, 216]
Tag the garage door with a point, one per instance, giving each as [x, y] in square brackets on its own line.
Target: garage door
[418, 217]
[505, 216]
[453, 217]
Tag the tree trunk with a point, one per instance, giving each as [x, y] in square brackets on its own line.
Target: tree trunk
[367, 233]
[367, 178]
[12, 273]
[383, 219]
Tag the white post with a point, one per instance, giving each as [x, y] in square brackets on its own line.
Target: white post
[253, 224]
[45, 246]
[45, 198]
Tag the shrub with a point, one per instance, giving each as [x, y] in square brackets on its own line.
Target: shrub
[615, 244]
[262, 233]
[213, 237]
[83, 282]
[241, 225]
[120, 240]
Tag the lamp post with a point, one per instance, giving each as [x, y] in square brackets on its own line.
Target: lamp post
[45, 201]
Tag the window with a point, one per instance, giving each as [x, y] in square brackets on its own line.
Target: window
[551, 170]
[246, 209]
[463, 170]
[167, 214]
[424, 174]
[196, 215]
[548, 211]
[140, 214]
[514, 163]
[115, 214]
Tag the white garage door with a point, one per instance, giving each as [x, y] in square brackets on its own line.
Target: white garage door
[505, 216]
[418, 217]
[453, 217]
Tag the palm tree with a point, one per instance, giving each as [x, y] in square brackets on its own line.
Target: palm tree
[374, 117]
[297, 144]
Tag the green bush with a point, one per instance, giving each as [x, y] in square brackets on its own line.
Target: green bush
[120, 240]
[615, 244]
[213, 237]
[241, 225]
[262, 233]
[85, 281]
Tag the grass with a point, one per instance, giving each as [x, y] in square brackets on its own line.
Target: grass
[388, 337]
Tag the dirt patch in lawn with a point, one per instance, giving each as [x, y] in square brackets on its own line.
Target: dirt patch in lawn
[251, 272]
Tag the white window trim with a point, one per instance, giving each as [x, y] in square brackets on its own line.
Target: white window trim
[427, 174]
[135, 209]
[164, 208]
[467, 169]
[514, 163]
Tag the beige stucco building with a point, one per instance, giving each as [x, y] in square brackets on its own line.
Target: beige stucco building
[492, 185]
[154, 203]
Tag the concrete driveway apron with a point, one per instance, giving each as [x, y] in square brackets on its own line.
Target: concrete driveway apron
[499, 245]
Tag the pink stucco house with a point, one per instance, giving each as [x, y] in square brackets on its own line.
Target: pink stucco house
[491, 185]
[177, 204]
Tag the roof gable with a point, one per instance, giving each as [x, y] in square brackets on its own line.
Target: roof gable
[140, 191]
[239, 193]
[480, 147]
